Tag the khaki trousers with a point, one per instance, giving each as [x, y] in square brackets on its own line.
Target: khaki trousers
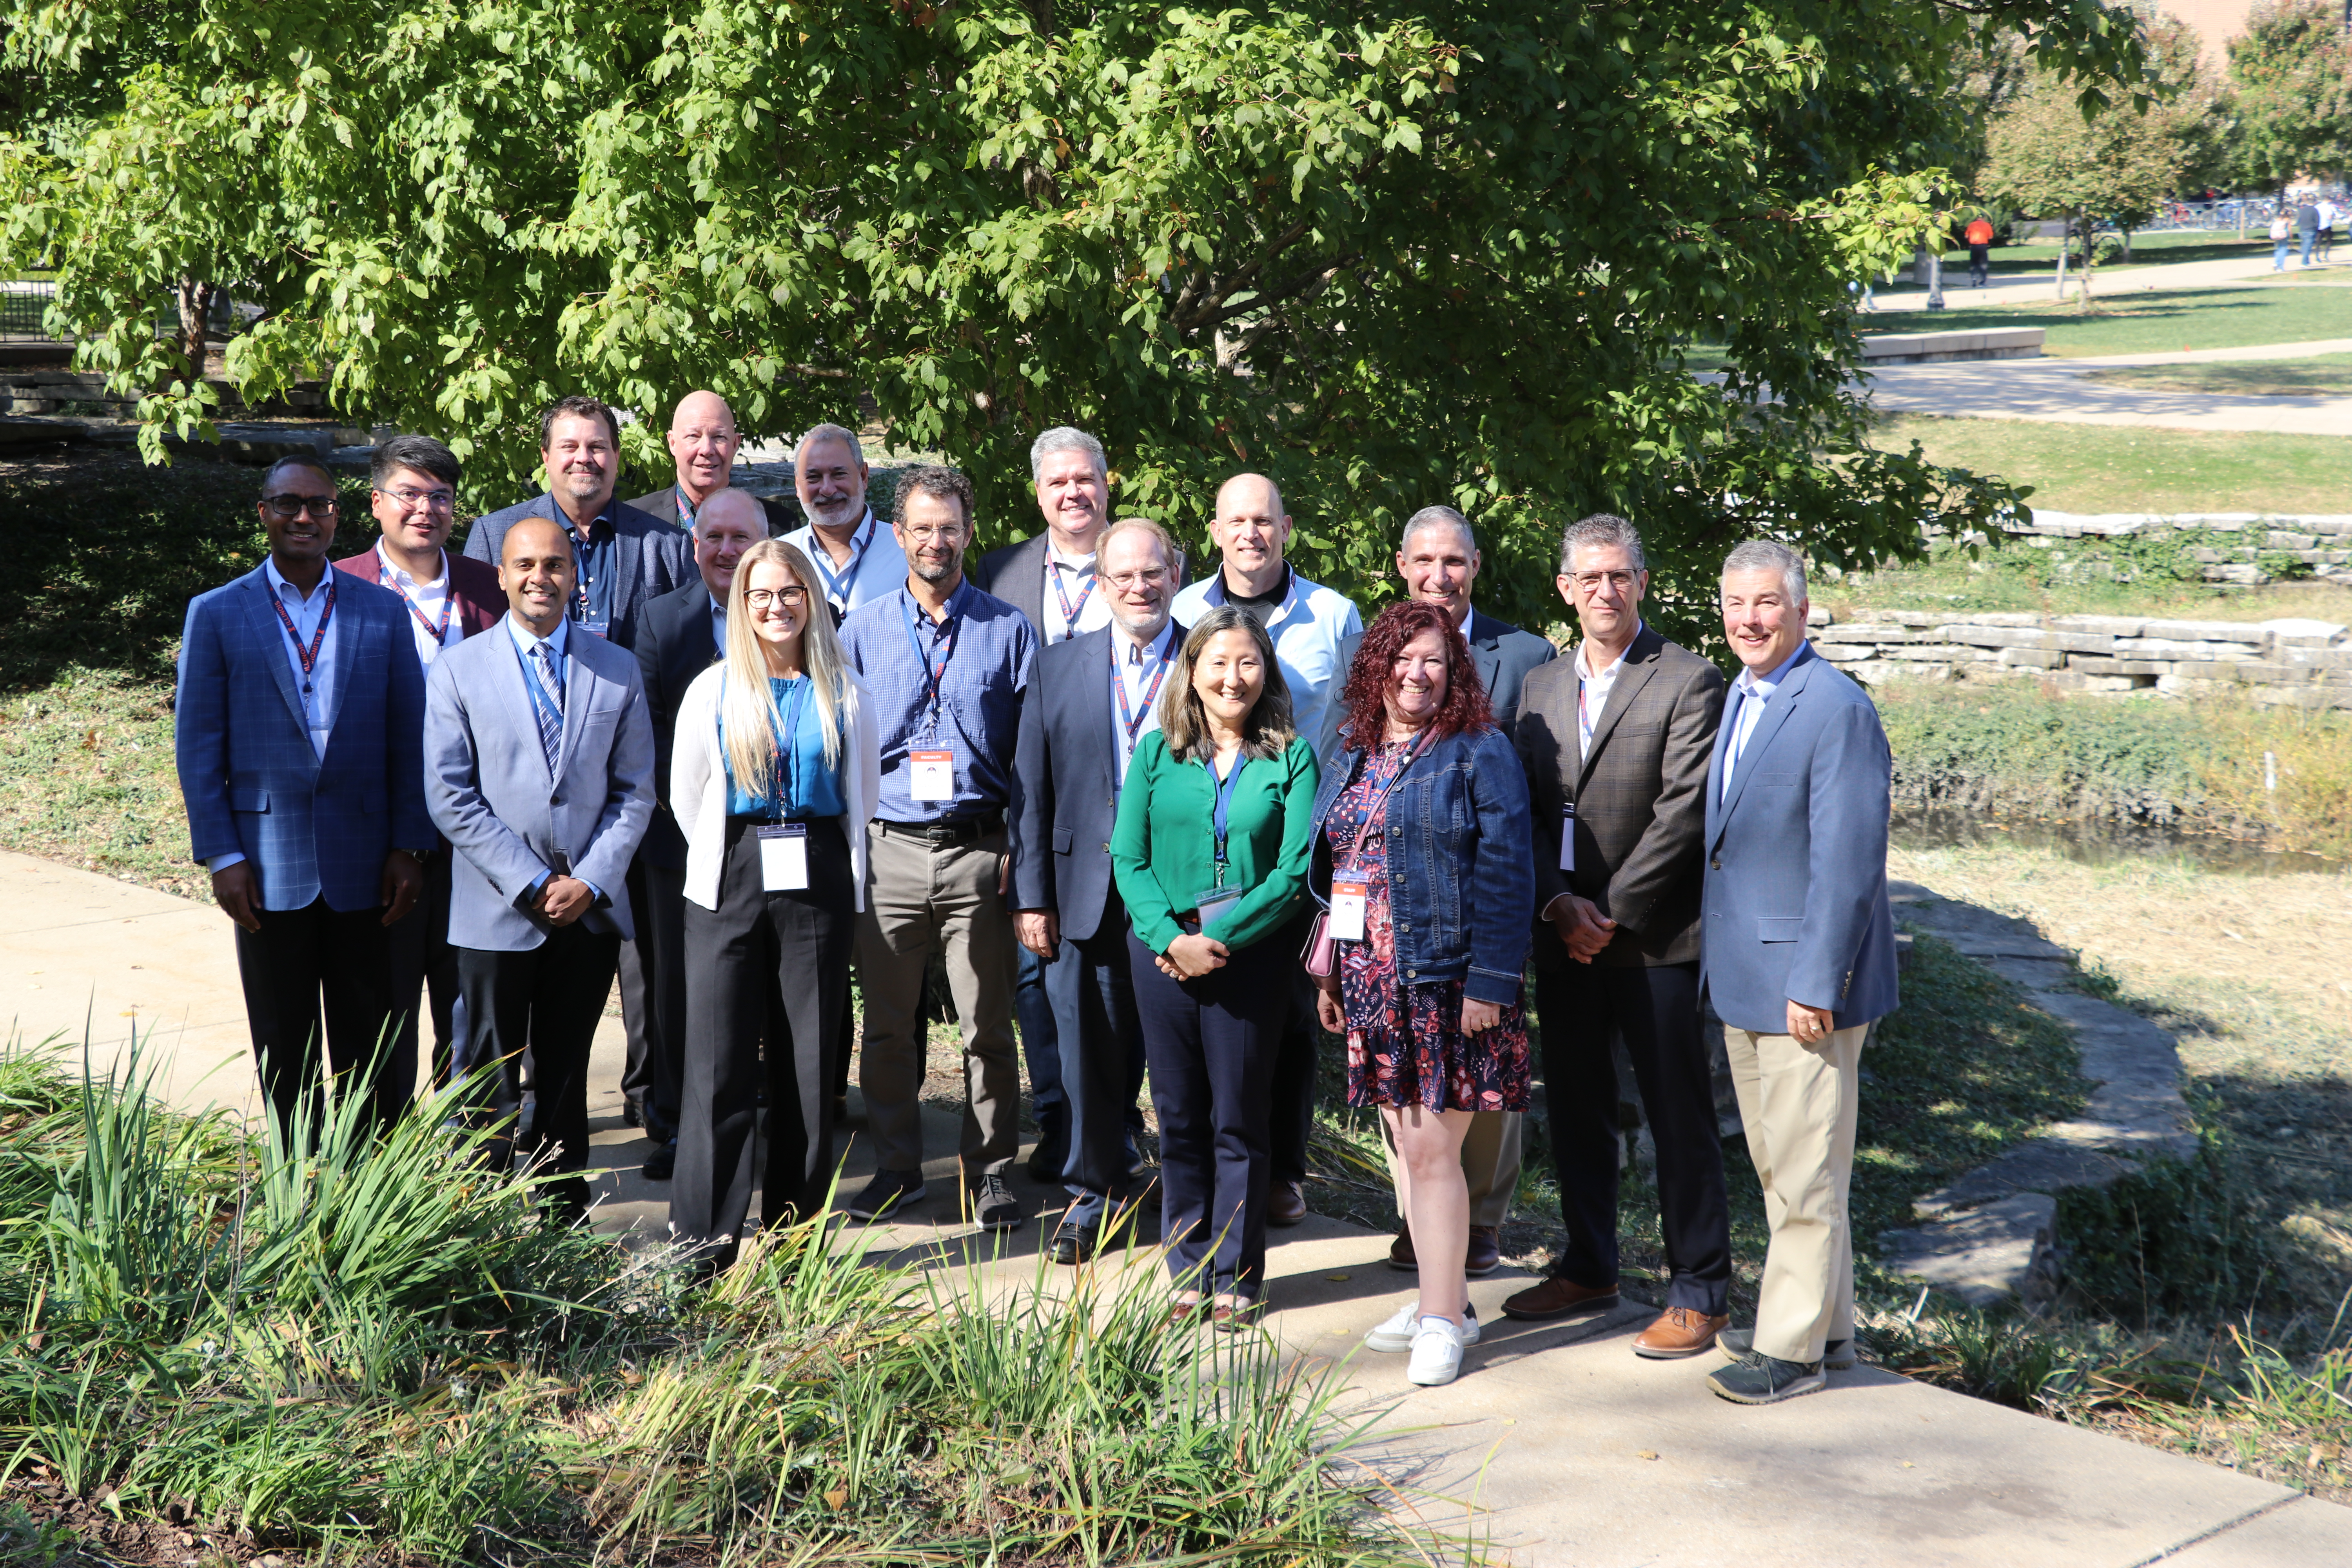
[1799, 1103]
[1490, 1164]
[919, 897]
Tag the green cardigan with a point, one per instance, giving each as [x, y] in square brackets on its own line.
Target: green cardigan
[1163, 850]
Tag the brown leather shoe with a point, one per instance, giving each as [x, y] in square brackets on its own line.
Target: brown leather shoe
[1679, 1331]
[1400, 1253]
[1484, 1254]
[1556, 1297]
[1286, 1202]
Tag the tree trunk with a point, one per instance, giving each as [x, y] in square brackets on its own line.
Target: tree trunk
[194, 297]
[2065, 238]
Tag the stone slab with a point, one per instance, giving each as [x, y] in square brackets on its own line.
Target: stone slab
[1999, 1251]
[2043, 1165]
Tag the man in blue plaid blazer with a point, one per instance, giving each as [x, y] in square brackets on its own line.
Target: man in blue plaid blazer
[300, 729]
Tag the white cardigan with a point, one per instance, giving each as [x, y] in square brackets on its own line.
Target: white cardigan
[698, 782]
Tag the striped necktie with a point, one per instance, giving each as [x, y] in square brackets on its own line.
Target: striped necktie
[549, 714]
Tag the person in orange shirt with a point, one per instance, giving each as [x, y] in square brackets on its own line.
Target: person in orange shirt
[1979, 236]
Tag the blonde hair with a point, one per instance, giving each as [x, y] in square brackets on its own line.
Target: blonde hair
[747, 714]
[1266, 733]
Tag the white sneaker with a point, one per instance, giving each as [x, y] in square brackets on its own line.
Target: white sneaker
[1436, 1353]
[1396, 1335]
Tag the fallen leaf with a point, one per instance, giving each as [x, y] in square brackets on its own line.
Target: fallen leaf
[1646, 1453]
[837, 1498]
[1338, 1279]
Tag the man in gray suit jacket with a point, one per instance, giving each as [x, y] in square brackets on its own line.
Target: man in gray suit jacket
[1798, 957]
[538, 758]
[703, 441]
[1438, 559]
[1093, 700]
[625, 558]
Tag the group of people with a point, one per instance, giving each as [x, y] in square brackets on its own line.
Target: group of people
[2310, 224]
[1152, 829]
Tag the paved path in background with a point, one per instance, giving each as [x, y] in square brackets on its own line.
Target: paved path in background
[2064, 391]
[2040, 287]
[1576, 1451]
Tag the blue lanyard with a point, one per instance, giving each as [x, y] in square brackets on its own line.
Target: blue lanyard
[824, 563]
[784, 785]
[1222, 811]
[944, 640]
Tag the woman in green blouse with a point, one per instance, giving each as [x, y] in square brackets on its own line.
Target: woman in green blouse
[1211, 856]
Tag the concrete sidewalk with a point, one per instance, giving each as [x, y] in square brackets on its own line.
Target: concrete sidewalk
[2040, 287]
[2067, 392]
[1557, 1446]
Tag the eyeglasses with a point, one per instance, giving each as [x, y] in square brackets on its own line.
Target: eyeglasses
[288, 507]
[947, 534]
[428, 500]
[1590, 582]
[1150, 577]
[761, 598]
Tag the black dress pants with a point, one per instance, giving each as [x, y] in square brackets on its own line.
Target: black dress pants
[312, 972]
[1211, 1043]
[653, 994]
[1581, 1008]
[1091, 984]
[773, 965]
[546, 1000]
[1292, 1119]
[422, 959]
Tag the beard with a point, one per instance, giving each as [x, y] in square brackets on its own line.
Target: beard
[935, 572]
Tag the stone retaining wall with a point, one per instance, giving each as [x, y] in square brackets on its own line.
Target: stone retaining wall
[2240, 547]
[2292, 663]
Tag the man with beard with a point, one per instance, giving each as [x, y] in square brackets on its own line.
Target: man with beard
[856, 554]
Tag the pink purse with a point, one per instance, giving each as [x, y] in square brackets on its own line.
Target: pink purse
[1320, 956]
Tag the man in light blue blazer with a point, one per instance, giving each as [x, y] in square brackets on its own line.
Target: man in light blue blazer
[298, 724]
[1798, 956]
[539, 760]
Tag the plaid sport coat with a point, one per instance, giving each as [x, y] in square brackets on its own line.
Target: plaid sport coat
[1639, 797]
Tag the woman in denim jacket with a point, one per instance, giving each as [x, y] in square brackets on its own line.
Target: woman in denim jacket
[1422, 861]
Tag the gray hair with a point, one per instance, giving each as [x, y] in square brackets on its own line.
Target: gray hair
[1170, 556]
[1602, 530]
[1770, 555]
[1065, 439]
[847, 438]
[1439, 517]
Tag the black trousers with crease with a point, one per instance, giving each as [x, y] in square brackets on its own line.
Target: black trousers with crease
[316, 972]
[546, 1000]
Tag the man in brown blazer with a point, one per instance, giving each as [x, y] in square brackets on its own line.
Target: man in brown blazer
[1615, 743]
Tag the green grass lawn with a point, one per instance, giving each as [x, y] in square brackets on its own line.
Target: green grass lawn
[2102, 467]
[2322, 375]
[2162, 321]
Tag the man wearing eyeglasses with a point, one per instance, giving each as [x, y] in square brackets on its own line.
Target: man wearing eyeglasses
[1615, 743]
[1439, 559]
[300, 735]
[412, 492]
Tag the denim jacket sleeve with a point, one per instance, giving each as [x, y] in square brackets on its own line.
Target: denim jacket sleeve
[1503, 885]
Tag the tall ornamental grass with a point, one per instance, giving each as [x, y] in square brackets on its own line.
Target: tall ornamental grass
[343, 1343]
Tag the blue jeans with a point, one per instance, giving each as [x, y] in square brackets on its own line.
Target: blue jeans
[2307, 236]
[2278, 254]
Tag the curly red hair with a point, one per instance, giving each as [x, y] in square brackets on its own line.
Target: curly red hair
[1465, 709]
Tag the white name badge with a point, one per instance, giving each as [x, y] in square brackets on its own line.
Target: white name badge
[933, 775]
[1347, 922]
[1568, 836]
[784, 857]
[594, 626]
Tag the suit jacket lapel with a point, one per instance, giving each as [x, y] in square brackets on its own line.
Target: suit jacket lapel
[1091, 692]
[263, 619]
[1775, 714]
[1641, 663]
[578, 678]
[348, 614]
[522, 717]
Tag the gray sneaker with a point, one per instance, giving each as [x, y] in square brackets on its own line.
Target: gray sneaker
[1736, 1344]
[889, 1190]
[993, 1207]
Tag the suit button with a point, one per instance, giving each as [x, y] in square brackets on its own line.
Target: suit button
[1715, 865]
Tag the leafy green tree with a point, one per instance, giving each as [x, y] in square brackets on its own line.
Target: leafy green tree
[1388, 255]
[2292, 74]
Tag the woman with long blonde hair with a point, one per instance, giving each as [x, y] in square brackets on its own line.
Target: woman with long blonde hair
[774, 775]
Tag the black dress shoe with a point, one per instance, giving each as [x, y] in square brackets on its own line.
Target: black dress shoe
[660, 1163]
[1070, 1246]
[633, 1111]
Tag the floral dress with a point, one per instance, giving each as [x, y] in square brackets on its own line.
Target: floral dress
[1405, 1045]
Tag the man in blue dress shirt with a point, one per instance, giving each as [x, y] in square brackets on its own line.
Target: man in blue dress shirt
[947, 667]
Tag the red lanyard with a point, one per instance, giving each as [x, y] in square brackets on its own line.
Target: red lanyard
[439, 634]
[309, 657]
[1070, 615]
[1134, 721]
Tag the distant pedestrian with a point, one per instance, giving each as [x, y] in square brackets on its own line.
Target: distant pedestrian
[1979, 236]
[2306, 228]
[2282, 235]
[2330, 215]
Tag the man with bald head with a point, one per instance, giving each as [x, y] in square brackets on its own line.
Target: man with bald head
[682, 635]
[539, 760]
[1306, 623]
[703, 441]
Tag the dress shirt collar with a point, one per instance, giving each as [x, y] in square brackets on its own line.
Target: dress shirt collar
[600, 527]
[280, 586]
[1126, 653]
[1584, 666]
[402, 576]
[1056, 556]
[1216, 590]
[525, 638]
[964, 592]
[1763, 689]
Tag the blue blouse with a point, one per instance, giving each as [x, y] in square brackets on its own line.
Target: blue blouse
[807, 787]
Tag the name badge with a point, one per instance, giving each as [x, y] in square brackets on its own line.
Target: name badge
[594, 626]
[1214, 906]
[933, 775]
[1346, 923]
[784, 857]
[1568, 836]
